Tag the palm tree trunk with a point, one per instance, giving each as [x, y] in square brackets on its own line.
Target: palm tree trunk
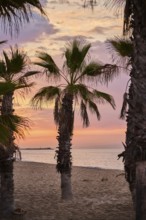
[129, 153]
[136, 119]
[7, 109]
[66, 119]
[6, 188]
[6, 162]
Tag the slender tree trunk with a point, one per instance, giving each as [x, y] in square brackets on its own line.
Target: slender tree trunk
[6, 163]
[66, 119]
[7, 109]
[136, 118]
[6, 188]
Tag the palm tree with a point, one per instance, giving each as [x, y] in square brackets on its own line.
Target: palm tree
[8, 123]
[73, 87]
[12, 71]
[15, 13]
[135, 146]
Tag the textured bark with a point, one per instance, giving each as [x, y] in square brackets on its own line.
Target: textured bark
[6, 162]
[141, 191]
[66, 190]
[6, 188]
[136, 117]
[7, 109]
[66, 118]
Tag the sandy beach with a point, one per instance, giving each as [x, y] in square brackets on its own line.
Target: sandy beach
[99, 194]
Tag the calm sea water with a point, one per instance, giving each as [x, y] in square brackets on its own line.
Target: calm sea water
[104, 158]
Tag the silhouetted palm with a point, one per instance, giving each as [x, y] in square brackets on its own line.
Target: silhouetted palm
[72, 87]
[12, 71]
[135, 146]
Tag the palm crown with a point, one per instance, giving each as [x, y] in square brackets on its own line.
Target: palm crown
[76, 74]
[14, 68]
[13, 76]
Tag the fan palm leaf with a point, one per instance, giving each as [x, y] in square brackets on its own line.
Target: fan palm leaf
[84, 114]
[49, 65]
[45, 94]
[75, 55]
[102, 97]
[121, 50]
[102, 73]
[15, 12]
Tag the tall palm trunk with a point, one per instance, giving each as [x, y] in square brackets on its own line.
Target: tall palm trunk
[6, 187]
[7, 109]
[6, 162]
[136, 118]
[66, 119]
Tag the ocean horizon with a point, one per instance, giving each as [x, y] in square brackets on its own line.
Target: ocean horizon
[106, 158]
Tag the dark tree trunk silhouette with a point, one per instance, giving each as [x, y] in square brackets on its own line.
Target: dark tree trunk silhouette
[64, 163]
[135, 149]
[6, 162]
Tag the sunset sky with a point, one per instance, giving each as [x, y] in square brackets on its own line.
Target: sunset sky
[66, 21]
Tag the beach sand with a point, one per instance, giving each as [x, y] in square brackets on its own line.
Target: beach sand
[99, 194]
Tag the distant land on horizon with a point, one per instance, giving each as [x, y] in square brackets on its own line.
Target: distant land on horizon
[53, 148]
[36, 148]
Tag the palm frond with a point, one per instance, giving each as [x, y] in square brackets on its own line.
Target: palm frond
[102, 73]
[91, 70]
[49, 65]
[102, 98]
[31, 73]
[94, 109]
[75, 55]
[3, 42]
[121, 50]
[13, 65]
[56, 110]
[2, 69]
[18, 61]
[14, 13]
[13, 123]
[24, 86]
[78, 91]
[124, 106]
[7, 60]
[108, 73]
[45, 94]
[84, 114]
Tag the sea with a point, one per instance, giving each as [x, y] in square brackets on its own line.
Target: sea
[100, 157]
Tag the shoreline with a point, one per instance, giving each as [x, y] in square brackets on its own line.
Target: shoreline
[90, 167]
[98, 193]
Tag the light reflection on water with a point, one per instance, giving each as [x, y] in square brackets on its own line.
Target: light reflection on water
[104, 158]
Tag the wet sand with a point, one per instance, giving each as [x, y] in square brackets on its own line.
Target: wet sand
[99, 194]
